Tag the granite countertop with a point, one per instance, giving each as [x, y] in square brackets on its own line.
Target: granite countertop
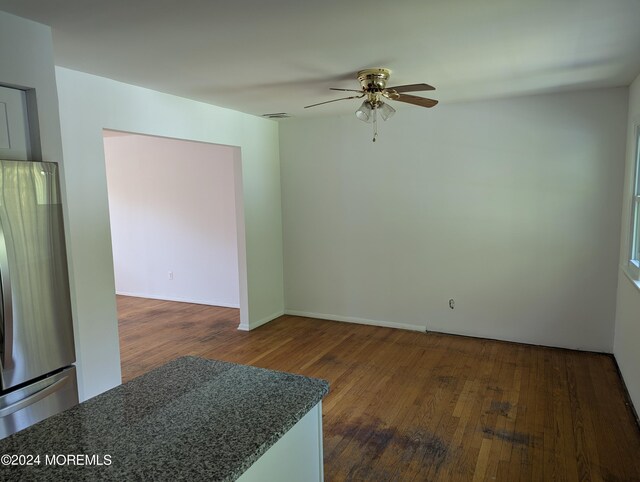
[191, 419]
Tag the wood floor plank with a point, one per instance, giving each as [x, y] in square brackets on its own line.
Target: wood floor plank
[409, 406]
[539, 450]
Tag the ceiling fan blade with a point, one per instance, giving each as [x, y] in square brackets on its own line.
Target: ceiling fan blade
[335, 100]
[411, 88]
[415, 100]
[345, 90]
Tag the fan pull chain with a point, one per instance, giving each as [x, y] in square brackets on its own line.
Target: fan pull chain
[375, 123]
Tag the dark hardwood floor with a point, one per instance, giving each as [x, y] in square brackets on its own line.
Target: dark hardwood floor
[411, 406]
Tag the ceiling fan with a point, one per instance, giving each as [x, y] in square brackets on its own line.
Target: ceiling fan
[374, 88]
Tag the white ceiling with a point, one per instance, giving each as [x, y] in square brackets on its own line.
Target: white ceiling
[260, 56]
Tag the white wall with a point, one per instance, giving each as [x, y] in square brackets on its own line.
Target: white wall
[26, 62]
[510, 207]
[627, 335]
[172, 209]
[89, 104]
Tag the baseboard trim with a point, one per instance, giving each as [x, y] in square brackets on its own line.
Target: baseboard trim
[222, 304]
[359, 321]
[253, 325]
[423, 329]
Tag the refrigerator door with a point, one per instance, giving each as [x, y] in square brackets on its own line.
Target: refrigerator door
[32, 403]
[35, 310]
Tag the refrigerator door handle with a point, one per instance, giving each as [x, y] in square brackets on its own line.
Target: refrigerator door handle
[7, 305]
[31, 399]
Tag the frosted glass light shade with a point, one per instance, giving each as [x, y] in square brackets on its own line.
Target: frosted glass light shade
[386, 110]
[364, 112]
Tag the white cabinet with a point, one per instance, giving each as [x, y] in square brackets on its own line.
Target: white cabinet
[296, 457]
[14, 125]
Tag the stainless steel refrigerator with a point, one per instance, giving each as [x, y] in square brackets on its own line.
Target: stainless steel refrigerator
[36, 345]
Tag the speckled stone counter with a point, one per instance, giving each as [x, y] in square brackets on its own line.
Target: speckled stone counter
[191, 419]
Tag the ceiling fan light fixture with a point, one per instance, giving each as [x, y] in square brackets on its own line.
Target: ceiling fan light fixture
[386, 110]
[364, 112]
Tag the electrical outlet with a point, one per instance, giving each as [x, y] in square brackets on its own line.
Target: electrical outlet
[170, 275]
[452, 303]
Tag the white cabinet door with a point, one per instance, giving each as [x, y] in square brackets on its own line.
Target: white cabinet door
[14, 126]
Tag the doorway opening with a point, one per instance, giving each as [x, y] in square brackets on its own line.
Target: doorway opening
[177, 226]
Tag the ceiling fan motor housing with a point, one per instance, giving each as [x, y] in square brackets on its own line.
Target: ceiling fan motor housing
[373, 80]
